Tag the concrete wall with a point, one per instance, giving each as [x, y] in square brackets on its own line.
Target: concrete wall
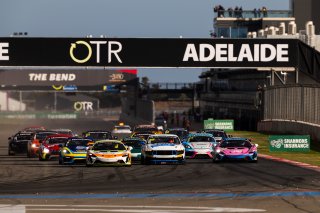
[137, 111]
[290, 127]
[9, 104]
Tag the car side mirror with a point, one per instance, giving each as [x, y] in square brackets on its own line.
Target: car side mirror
[256, 145]
[9, 138]
[130, 148]
[60, 145]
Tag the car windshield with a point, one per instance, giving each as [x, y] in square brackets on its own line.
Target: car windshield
[57, 140]
[80, 142]
[142, 136]
[236, 143]
[99, 135]
[149, 129]
[201, 139]
[179, 133]
[43, 135]
[133, 143]
[22, 137]
[122, 128]
[172, 140]
[108, 146]
[218, 134]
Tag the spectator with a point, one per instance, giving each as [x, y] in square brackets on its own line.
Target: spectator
[240, 12]
[264, 11]
[255, 12]
[259, 13]
[230, 11]
[220, 11]
[236, 11]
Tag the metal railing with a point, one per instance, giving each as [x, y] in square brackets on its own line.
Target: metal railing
[253, 14]
[296, 103]
[171, 86]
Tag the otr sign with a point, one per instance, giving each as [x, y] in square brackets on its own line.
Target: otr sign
[83, 106]
[112, 47]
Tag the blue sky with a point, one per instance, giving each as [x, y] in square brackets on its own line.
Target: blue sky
[122, 18]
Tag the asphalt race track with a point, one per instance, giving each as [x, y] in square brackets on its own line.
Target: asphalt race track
[30, 185]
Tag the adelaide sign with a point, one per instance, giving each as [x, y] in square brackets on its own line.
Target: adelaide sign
[148, 52]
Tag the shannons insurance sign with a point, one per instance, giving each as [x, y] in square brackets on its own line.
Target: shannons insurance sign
[288, 143]
[227, 125]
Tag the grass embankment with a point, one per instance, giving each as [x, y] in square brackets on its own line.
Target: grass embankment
[312, 157]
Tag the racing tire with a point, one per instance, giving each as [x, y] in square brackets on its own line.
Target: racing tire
[40, 158]
[10, 153]
[214, 160]
[61, 161]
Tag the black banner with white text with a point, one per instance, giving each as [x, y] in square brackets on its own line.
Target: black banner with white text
[148, 52]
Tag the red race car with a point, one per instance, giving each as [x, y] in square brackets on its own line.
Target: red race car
[34, 144]
[51, 146]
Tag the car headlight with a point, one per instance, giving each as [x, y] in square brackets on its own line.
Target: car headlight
[92, 155]
[187, 146]
[34, 145]
[218, 150]
[46, 150]
[65, 151]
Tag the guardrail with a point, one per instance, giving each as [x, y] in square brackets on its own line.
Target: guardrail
[253, 14]
[298, 103]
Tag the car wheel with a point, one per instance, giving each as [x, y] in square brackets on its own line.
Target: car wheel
[10, 153]
[60, 161]
[215, 160]
[40, 158]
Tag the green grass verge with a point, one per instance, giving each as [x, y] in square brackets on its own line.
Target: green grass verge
[312, 157]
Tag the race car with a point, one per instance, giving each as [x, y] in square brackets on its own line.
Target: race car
[163, 149]
[121, 131]
[202, 145]
[146, 128]
[74, 151]
[136, 144]
[34, 144]
[97, 135]
[34, 128]
[182, 133]
[51, 146]
[19, 142]
[64, 131]
[108, 152]
[236, 149]
[142, 135]
[218, 134]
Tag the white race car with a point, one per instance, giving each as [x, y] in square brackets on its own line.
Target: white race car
[163, 149]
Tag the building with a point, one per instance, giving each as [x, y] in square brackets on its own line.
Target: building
[304, 11]
[237, 93]
[232, 24]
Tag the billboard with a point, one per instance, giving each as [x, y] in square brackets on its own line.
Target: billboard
[289, 143]
[65, 77]
[227, 125]
[148, 52]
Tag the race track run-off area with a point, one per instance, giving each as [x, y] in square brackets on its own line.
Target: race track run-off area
[30, 185]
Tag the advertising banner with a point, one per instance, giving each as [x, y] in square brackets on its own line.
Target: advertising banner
[227, 125]
[289, 143]
[57, 78]
[148, 52]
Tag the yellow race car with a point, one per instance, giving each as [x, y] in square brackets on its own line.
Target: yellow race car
[109, 152]
[75, 151]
